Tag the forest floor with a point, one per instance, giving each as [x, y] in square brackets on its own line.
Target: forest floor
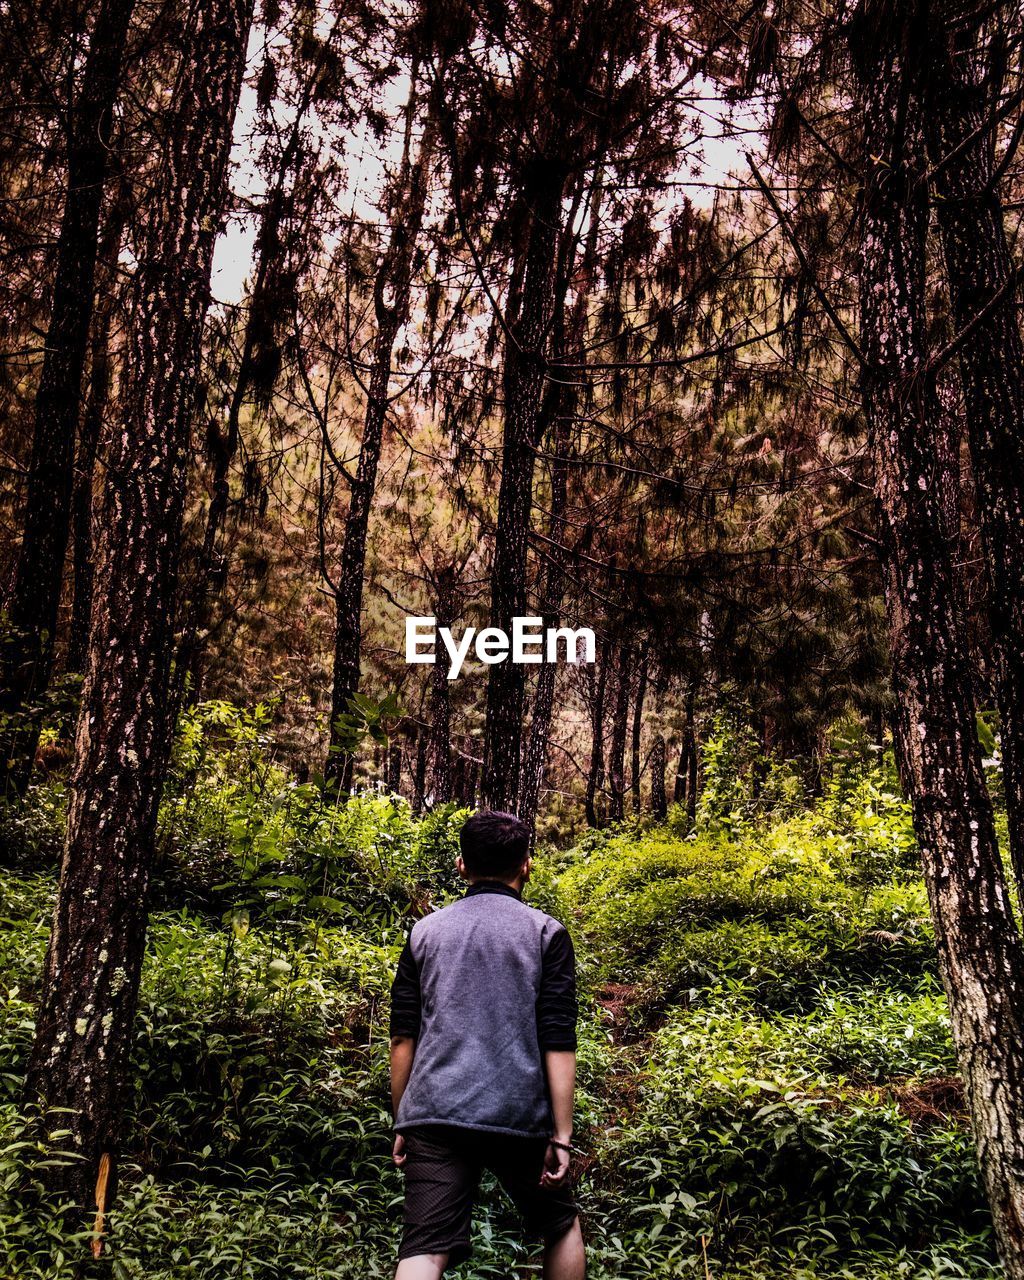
[767, 1082]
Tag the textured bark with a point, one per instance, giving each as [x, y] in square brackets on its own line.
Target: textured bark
[659, 801]
[980, 269]
[87, 1011]
[561, 404]
[472, 777]
[439, 766]
[617, 751]
[392, 287]
[595, 774]
[552, 592]
[979, 947]
[26, 658]
[89, 435]
[638, 722]
[419, 775]
[523, 382]
[685, 788]
[394, 771]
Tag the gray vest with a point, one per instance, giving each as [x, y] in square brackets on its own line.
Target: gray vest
[478, 1063]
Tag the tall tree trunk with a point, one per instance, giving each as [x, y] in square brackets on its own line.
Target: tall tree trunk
[638, 722]
[89, 436]
[523, 382]
[459, 777]
[26, 657]
[560, 408]
[439, 784]
[419, 776]
[981, 275]
[552, 592]
[472, 775]
[659, 801]
[394, 768]
[685, 788]
[392, 288]
[979, 947]
[87, 1010]
[617, 752]
[595, 774]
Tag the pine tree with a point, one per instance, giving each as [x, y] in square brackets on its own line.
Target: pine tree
[87, 1010]
[26, 657]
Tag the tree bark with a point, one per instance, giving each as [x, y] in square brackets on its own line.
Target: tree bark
[981, 277]
[419, 776]
[439, 767]
[617, 752]
[638, 721]
[26, 658]
[87, 1010]
[685, 788]
[552, 591]
[392, 287]
[659, 801]
[89, 436]
[394, 768]
[979, 947]
[595, 774]
[560, 408]
[523, 381]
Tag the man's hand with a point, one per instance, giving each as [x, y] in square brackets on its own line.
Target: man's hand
[556, 1166]
[398, 1151]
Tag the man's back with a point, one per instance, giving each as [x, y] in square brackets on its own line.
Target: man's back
[494, 983]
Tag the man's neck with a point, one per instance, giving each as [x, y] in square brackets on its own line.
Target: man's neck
[489, 882]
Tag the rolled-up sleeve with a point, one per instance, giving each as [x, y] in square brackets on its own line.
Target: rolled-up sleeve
[556, 1001]
[406, 1003]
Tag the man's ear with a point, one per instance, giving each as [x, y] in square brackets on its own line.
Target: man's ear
[527, 868]
[460, 866]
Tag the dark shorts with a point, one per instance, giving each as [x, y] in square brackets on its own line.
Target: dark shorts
[442, 1173]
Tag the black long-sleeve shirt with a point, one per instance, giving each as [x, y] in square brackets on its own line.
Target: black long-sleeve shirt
[556, 1000]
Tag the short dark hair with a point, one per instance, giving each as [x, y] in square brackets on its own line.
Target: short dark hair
[494, 844]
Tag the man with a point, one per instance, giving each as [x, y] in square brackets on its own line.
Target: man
[483, 1061]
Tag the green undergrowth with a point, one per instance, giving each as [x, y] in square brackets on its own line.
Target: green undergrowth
[767, 1083]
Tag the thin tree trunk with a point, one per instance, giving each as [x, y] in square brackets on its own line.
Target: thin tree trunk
[392, 288]
[26, 657]
[617, 752]
[419, 776]
[561, 403]
[638, 721]
[685, 789]
[552, 591]
[979, 947]
[459, 778]
[472, 776]
[595, 774]
[659, 801]
[394, 768]
[87, 1010]
[523, 382]
[439, 785]
[980, 271]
